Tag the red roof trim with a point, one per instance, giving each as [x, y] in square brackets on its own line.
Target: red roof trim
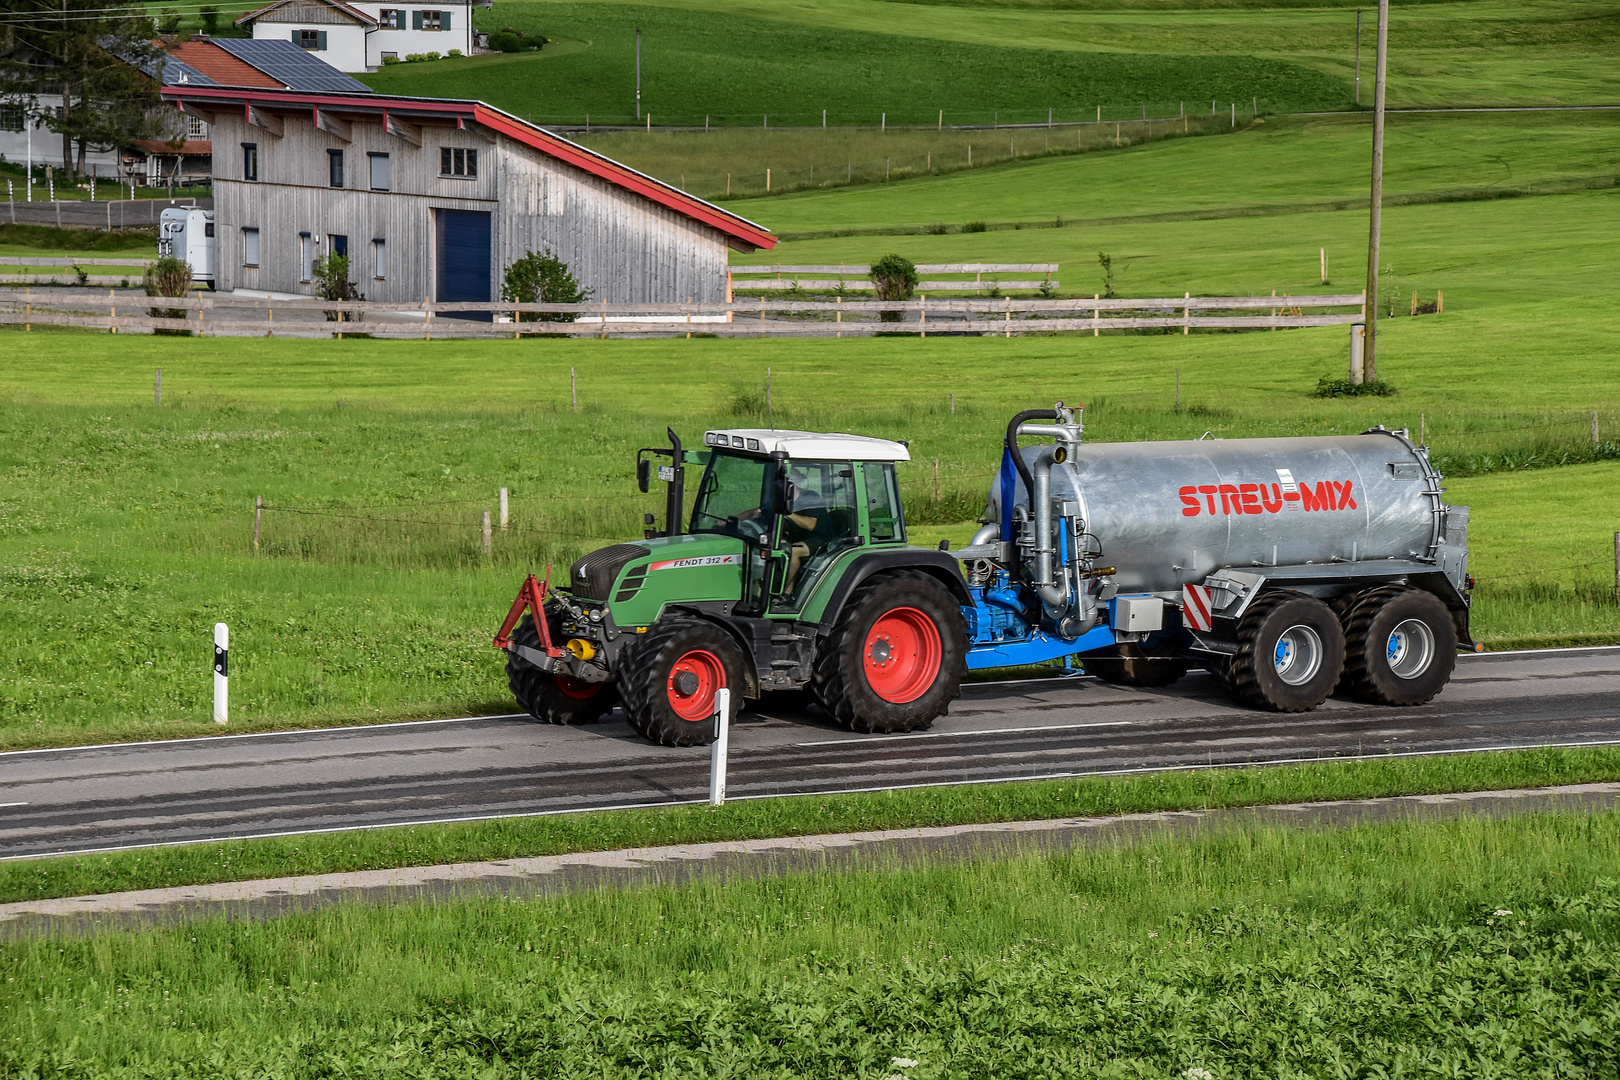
[624, 177]
[620, 175]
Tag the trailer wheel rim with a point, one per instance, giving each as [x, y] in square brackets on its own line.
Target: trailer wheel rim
[693, 698]
[1410, 649]
[1298, 656]
[902, 655]
[577, 689]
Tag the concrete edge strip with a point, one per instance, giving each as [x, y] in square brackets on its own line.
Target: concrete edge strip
[408, 880]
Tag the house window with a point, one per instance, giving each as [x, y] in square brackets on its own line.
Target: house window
[454, 161]
[250, 161]
[379, 259]
[334, 168]
[387, 56]
[306, 257]
[337, 245]
[379, 172]
[11, 118]
[250, 247]
[196, 128]
[430, 20]
[389, 19]
[313, 40]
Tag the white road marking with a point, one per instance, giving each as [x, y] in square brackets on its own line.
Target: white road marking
[3, 805]
[960, 734]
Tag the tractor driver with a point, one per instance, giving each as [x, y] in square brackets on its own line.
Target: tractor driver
[821, 514]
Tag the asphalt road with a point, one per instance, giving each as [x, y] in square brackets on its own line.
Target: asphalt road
[95, 798]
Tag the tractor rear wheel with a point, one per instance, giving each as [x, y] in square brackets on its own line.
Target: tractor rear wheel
[1400, 646]
[1289, 656]
[894, 658]
[556, 699]
[669, 682]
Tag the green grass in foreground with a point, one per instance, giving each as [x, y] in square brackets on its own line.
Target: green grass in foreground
[1472, 948]
[510, 838]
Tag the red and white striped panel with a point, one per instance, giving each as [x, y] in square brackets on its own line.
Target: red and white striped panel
[1196, 607]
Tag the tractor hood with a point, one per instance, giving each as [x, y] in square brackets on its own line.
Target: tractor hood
[639, 579]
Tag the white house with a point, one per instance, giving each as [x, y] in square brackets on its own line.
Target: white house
[360, 36]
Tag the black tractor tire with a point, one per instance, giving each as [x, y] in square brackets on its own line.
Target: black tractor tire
[668, 683]
[894, 658]
[1400, 647]
[1289, 656]
[1132, 665]
[554, 699]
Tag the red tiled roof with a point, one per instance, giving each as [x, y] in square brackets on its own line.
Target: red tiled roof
[220, 65]
[732, 225]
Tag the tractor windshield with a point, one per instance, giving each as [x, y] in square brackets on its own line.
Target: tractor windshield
[735, 497]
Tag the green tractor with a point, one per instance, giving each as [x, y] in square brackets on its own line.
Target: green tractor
[792, 572]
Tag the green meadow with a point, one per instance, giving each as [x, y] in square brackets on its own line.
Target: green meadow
[1463, 949]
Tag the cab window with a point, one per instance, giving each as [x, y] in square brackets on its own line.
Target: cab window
[734, 497]
[883, 501]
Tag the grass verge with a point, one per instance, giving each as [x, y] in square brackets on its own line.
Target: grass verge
[1469, 948]
[510, 838]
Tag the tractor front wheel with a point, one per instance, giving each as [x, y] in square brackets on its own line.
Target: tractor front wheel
[670, 681]
[556, 699]
[894, 659]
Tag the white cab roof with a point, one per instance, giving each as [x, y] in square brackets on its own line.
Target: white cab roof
[809, 445]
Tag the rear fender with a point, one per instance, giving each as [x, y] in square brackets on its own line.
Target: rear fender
[936, 564]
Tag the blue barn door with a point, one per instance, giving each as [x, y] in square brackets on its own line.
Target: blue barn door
[463, 259]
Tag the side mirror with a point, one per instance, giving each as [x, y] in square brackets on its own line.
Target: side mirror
[643, 473]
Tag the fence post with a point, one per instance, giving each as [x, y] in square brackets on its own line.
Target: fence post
[1358, 353]
[1617, 567]
[258, 520]
[427, 311]
[112, 310]
[489, 538]
[222, 681]
[722, 739]
[1186, 325]
[1594, 429]
[953, 403]
[1096, 316]
[573, 381]
[503, 508]
[157, 387]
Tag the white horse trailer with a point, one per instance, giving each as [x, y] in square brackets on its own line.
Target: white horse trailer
[187, 233]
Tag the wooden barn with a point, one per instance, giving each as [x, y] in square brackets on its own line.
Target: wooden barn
[435, 198]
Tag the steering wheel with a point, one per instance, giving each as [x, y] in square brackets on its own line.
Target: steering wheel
[748, 528]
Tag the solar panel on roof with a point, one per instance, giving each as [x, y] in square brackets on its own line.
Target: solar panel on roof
[291, 65]
[176, 73]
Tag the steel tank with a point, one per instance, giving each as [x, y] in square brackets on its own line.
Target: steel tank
[1165, 514]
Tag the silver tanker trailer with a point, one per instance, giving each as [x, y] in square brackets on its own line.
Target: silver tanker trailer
[1288, 567]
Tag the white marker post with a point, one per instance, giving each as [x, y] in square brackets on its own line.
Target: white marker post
[222, 681]
[722, 737]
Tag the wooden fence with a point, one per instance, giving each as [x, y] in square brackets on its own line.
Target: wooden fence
[75, 266]
[855, 278]
[240, 316]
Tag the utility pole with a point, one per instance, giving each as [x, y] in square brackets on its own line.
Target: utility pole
[1358, 57]
[1380, 68]
[638, 73]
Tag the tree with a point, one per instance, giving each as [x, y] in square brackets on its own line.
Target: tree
[96, 55]
[332, 282]
[893, 278]
[543, 279]
[169, 277]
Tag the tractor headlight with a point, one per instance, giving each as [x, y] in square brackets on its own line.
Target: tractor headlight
[596, 615]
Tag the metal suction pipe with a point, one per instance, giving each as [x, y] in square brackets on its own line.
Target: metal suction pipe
[1053, 594]
[987, 534]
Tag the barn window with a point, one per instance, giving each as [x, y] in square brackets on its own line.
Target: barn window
[306, 257]
[455, 161]
[379, 259]
[379, 172]
[313, 40]
[388, 19]
[196, 128]
[250, 161]
[250, 247]
[334, 168]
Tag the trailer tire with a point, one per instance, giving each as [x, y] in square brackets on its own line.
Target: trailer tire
[1400, 647]
[1289, 656]
[554, 699]
[894, 658]
[1132, 665]
[669, 682]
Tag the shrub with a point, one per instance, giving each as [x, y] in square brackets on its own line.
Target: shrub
[454, 53]
[391, 60]
[168, 276]
[1331, 386]
[420, 57]
[973, 226]
[332, 282]
[895, 277]
[543, 279]
[1106, 261]
[511, 41]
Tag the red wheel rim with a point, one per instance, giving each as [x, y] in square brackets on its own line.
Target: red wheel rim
[578, 689]
[902, 655]
[693, 698]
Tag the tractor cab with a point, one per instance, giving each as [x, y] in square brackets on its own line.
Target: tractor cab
[797, 501]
